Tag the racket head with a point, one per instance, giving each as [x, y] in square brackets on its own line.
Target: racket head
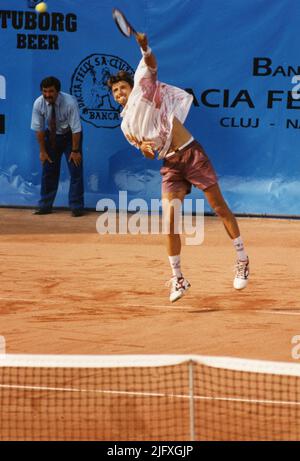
[123, 25]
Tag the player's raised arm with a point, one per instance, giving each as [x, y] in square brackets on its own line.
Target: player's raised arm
[149, 57]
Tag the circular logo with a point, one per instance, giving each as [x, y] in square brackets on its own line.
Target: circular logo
[88, 85]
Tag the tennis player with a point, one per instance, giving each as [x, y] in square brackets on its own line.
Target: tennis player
[153, 115]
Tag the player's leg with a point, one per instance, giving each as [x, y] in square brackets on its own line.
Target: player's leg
[220, 207]
[216, 201]
[172, 202]
[200, 172]
[171, 215]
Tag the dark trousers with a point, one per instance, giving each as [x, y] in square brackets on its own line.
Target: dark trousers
[51, 172]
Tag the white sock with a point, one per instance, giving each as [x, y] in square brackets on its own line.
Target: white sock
[175, 265]
[239, 246]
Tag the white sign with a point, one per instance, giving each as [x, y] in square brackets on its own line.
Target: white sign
[2, 87]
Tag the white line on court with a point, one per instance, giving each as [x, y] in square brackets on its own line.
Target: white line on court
[18, 299]
[48, 301]
[149, 306]
[149, 394]
[164, 306]
[277, 312]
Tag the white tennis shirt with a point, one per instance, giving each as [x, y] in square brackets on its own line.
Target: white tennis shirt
[151, 108]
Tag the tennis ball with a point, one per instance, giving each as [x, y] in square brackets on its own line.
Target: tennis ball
[41, 7]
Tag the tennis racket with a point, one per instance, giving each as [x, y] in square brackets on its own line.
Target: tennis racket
[123, 25]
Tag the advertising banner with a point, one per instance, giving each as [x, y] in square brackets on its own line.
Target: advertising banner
[239, 60]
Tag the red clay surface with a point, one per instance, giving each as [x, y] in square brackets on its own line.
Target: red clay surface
[65, 289]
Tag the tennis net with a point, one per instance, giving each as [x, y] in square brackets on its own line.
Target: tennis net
[161, 398]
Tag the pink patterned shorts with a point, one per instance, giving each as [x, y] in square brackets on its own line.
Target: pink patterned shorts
[190, 166]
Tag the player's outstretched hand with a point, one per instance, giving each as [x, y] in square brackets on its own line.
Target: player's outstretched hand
[142, 40]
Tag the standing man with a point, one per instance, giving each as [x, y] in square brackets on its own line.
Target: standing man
[56, 121]
[153, 118]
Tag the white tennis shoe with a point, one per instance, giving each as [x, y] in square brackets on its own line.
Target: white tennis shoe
[241, 274]
[179, 286]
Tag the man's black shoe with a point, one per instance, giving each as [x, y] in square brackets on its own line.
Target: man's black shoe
[42, 211]
[76, 212]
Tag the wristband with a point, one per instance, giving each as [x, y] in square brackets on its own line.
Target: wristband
[76, 151]
[146, 52]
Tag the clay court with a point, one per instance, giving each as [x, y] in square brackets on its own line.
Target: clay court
[68, 290]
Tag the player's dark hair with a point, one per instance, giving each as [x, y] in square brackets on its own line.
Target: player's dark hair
[50, 81]
[121, 76]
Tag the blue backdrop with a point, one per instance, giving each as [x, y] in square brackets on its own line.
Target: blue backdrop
[240, 59]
